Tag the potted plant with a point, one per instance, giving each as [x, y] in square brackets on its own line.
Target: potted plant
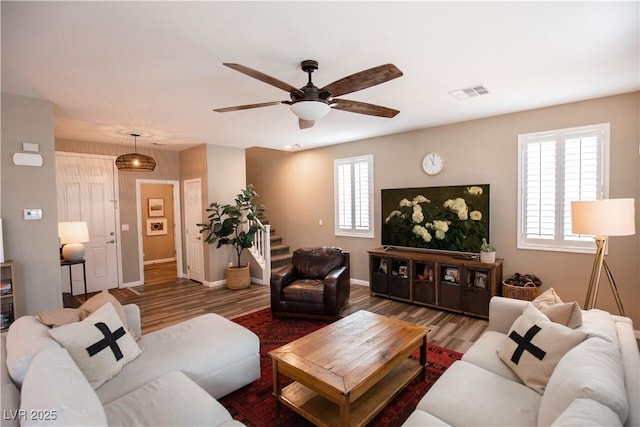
[233, 224]
[487, 252]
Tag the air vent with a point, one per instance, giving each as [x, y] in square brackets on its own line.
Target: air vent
[469, 92]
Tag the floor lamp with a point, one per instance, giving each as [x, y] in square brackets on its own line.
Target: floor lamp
[602, 219]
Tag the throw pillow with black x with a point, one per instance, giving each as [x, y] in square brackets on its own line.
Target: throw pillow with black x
[100, 345]
[534, 346]
[110, 341]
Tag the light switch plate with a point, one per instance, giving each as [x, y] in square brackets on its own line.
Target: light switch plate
[29, 146]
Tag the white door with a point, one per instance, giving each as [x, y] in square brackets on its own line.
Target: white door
[86, 192]
[193, 216]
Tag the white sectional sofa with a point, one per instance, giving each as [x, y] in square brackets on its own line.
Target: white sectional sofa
[597, 382]
[175, 380]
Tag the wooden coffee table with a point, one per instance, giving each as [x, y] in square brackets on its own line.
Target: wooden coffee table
[346, 372]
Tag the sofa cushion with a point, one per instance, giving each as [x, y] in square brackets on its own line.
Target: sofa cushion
[599, 323]
[461, 397]
[100, 299]
[420, 418]
[26, 337]
[591, 370]
[534, 346]
[305, 291]
[210, 349]
[99, 344]
[62, 316]
[568, 314]
[316, 263]
[10, 403]
[56, 393]
[170, 400]
[483, 354]
[587, 412]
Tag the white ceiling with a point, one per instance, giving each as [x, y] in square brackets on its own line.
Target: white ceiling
[111, 68]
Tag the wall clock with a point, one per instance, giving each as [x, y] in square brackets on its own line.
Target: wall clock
[432, 163]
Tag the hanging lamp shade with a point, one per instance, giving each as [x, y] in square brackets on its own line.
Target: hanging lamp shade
[135, 161]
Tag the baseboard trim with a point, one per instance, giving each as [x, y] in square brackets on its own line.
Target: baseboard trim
[215, 284]
[258, 281]
[132, 284]
[159, 261]
[360, 282]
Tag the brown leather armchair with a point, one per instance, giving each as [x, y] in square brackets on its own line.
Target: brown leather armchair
[315, 284]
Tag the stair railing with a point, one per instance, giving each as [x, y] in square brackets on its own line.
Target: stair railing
[261, 250]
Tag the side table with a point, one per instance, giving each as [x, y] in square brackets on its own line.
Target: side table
[64, 262]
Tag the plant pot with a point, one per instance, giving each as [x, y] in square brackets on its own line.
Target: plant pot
[487, 257]
[238, 277]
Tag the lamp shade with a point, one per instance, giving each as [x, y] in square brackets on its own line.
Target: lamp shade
[135, 162]
[606, 217]
[310, 110]
[73, 232]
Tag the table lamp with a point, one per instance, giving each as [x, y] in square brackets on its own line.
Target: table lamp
[602, 219]
[72, 235]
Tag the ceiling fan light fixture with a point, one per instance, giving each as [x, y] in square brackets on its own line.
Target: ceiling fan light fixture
[135, 162]
[310, 110]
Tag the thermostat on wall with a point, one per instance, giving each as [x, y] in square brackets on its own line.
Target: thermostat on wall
[30, 214]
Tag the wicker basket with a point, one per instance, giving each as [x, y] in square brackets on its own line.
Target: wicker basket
[529, 292]
[238, 277]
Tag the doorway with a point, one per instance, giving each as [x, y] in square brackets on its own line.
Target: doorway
[159, 242]
[87, 190]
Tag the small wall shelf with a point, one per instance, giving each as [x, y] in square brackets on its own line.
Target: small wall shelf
[435, 279]
[7, 295]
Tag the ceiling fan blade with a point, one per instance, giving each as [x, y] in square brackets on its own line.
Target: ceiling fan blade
[248, 106]
[263, 78]
[306, 124]
[363, 79]
[363, 108]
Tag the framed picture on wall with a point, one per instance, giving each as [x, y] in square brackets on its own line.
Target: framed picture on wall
[156, 207]
[156, 227]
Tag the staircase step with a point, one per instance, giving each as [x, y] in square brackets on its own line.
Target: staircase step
[280, 260]
[275, 240]
[279, 249]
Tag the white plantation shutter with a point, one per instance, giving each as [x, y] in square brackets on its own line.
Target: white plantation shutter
[556, 168]
[353, 182]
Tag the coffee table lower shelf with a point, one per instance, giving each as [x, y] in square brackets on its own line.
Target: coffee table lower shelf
[323, 412]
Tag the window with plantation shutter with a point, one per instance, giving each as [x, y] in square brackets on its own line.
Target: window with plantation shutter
[556, 168]
[353, 188]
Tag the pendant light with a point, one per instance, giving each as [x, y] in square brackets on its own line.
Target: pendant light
[135, 161]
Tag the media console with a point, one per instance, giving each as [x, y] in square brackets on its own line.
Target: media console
[450, 282]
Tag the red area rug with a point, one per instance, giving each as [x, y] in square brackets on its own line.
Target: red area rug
[255, 406]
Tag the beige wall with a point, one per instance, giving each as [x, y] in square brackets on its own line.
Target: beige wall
[298, 189]
[33, 245]
[168, 168]
[158, 247]
[226, 177]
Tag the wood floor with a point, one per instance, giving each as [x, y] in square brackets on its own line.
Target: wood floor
[164, 302]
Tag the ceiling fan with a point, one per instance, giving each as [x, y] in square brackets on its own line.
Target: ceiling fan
[310, 103]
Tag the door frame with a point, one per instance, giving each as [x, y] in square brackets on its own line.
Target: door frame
[177, 226]
[116, 196]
